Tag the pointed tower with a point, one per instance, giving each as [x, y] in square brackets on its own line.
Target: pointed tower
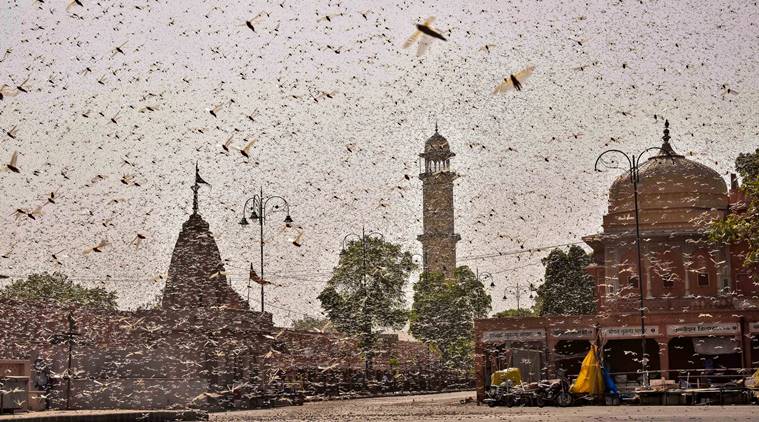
[438, 239]
[197, 277]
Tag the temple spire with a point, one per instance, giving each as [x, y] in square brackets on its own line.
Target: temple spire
[435, 125]
[666, 147]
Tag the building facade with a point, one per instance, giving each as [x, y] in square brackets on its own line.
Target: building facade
[439, 239]
[701, 302]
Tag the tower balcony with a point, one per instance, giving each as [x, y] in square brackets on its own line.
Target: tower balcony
[455, 237]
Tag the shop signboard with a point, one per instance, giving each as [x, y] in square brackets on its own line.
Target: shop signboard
[572, 333]
[533, 334]
[698, 329]
[628, 332]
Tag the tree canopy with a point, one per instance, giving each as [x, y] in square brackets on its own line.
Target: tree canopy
[59, 289]
[743, 226]
[444, 310]
[309, 323]
[366, 291]
[510, 313]
[567, 289]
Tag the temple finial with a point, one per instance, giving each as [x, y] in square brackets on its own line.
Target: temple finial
[435, 125]
[198, 181]
[195, 188]
[666, 147]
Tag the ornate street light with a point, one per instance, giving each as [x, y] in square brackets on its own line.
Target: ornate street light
[516, 290]
[634, 169]
[260, 211]
[484, 276]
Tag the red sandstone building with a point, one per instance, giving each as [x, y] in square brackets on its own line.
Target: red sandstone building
[700, 301]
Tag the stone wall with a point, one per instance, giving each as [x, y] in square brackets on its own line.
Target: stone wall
[169, 357]
[138, 354]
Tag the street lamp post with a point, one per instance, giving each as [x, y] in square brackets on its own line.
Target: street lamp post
[517, 291]
[367, 322]
[484, 276]
[260, 211]
[634, 167]
[67, 337]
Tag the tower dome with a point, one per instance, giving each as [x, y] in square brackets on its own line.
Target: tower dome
[436, 144]
[673, 193]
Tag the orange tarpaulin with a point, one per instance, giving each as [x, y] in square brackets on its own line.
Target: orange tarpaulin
[590, 380]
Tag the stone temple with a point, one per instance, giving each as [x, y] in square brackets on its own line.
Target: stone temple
[197, 277]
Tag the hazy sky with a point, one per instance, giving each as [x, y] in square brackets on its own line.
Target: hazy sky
[526, 179]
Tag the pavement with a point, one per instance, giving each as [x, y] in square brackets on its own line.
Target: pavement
[431, 407]
[448, 407]
[115, 415]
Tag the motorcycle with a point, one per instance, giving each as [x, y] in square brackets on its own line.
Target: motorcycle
[506, 394]
[555, 393]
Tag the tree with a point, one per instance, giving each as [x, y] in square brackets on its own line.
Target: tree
[568, 289]
[743, 226]
[366, 291]
[58, 288]
[443, 313]
[309, 323]
[511, 313]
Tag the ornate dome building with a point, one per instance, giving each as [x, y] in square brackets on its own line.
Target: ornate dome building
[678, 200]
[700, 302]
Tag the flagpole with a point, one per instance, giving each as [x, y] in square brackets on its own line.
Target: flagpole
[261, 219]
[250, 278]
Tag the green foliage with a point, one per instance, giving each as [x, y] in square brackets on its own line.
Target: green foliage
[511, 313]
[309, 323]
[444, 311]
[568, 289]
[743, 227]
[365, 293]
[58, 288]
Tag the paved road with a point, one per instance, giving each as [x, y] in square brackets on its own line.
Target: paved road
[446, 407]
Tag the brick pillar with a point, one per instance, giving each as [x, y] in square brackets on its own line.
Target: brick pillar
[550, 354]
[479, 362]
[479, 373]
[744, 339]
[663, 341]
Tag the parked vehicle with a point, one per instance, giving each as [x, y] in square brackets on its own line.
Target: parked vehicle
[553, 393]
[500, 395]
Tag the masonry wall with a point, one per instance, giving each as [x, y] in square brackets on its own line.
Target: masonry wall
[138, 354]
[168, 358]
